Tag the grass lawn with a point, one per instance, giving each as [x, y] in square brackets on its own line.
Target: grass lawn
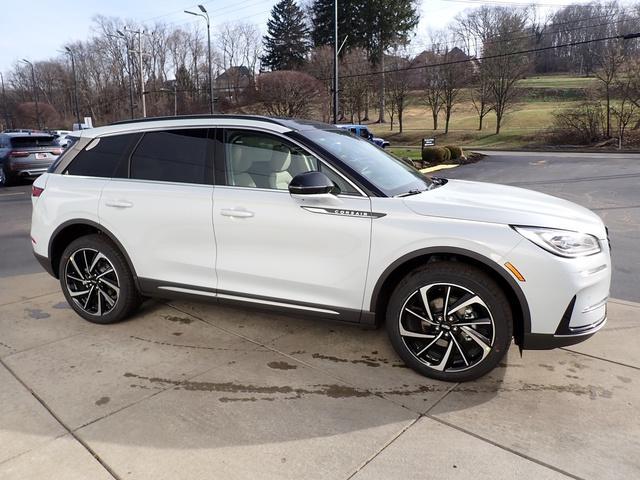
[522, 125]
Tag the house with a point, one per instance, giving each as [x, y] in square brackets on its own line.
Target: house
[233, 82]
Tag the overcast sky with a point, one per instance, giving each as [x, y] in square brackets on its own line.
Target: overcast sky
[38, 29]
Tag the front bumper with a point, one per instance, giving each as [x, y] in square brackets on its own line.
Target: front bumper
[564, 335]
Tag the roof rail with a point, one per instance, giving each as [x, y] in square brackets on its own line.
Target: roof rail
[198, 117]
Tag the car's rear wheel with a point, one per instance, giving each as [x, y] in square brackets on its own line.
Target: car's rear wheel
[449, 321]
[97, 281]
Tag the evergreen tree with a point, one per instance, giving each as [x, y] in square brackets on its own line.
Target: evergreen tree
[374, 25]
[287, 41]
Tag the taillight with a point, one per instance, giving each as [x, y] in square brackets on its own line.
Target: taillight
[36, 191]
[56, 151]
[17, 153]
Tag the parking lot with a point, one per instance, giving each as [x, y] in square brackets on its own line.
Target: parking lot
[194, 390]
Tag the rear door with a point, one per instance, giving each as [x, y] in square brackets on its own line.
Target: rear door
[162, 211]
[278, 250]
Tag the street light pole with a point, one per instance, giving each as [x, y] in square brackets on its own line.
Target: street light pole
[140, 32]
[4, 103]
[35, 90]
[126, 43]
[205, 15]
[75, 83]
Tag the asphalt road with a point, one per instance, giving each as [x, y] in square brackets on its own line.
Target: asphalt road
[609, 184]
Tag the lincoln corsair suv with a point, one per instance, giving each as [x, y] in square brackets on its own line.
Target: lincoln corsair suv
[305, 218]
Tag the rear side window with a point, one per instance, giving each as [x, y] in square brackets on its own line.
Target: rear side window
[104, 157]
[33, 141]
[173, 156]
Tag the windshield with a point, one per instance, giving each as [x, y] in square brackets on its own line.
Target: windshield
[392, 176]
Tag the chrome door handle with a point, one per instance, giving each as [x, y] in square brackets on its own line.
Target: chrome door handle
[236, 212]
[119, 203]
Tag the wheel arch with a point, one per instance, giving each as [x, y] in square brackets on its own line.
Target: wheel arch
[397, 270]
[70, 230]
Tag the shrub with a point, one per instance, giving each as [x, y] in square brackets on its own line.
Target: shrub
[434, 154]
[456, 152]
[583, 124]
[447, 155]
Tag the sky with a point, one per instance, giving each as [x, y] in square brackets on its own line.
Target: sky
[39, 29]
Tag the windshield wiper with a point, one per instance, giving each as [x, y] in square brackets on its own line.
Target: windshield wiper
[410, 192]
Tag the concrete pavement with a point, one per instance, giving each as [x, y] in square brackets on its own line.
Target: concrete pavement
[189, 390]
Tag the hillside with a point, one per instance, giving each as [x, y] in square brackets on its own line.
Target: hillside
[523, 125]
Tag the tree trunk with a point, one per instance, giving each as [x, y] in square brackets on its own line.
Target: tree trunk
[400, 120]
[435, 119]
[498, 122]
[608, 112]
[446, 120]
[480, 122]
[381, 92]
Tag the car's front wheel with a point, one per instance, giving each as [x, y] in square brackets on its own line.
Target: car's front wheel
[449, 321]
[96, 280]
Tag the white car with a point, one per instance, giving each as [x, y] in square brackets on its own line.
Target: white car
[305, 218]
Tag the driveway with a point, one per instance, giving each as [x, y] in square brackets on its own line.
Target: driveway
[190, 390]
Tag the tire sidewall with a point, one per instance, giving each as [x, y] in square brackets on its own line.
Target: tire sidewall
[465, 276]
[127, 286]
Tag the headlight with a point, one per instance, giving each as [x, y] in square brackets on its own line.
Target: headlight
[564, 243]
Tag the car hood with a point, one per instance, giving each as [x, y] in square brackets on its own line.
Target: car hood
[492, 203]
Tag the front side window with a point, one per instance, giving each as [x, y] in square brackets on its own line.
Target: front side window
[102, 157]
[364, 133]
[173, 156]
[260, 160]
[389, 174]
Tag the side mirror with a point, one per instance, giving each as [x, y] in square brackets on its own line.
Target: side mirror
[312, 183]
[370, 136]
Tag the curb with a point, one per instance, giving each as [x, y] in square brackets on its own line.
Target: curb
[437, 168]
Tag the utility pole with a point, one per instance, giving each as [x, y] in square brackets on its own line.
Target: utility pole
[129, 68]
[35, 91]
[140, 32]
[335, 61]
[205, 15]
[75, 84]
[4, 103]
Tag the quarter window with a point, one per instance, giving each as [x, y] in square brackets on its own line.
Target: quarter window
[173, 156]
[103, 157]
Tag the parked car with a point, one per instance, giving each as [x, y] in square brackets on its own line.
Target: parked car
[363, 132]
[305, 218]
[26, 155]
[62, 137]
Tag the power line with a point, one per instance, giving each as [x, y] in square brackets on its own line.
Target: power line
[491, 57]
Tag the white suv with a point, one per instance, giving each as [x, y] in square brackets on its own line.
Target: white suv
[307, 219]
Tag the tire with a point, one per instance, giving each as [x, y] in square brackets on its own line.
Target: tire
[111, 294]
[466, 343]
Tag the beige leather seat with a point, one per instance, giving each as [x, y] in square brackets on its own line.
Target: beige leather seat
[240, 166]
[280, 177]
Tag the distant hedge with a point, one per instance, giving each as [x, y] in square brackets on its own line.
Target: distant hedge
[456, 152]
[435, 154]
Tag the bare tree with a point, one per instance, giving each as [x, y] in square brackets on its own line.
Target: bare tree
[432, 85]
[609, 62]
[454, 76]
[287, 93]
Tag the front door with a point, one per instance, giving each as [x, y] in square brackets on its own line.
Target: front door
[280, 250]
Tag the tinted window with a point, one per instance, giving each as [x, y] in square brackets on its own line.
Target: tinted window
[104, 157]
[172, 156]
[29, 141]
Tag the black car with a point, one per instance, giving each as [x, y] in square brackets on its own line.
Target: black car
[26, 155]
